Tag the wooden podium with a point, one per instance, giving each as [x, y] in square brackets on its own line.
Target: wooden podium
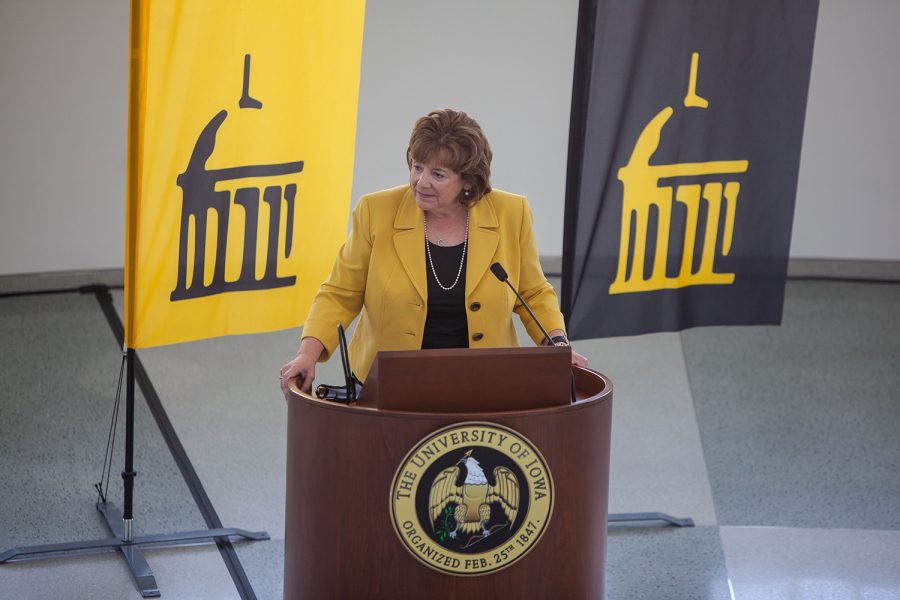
[351, 472]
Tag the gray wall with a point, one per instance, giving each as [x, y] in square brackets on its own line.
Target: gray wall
[63, 95]
[848, 202]
[63, 115]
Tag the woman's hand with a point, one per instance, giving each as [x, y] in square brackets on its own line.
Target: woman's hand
[579, 360]
[302, 367]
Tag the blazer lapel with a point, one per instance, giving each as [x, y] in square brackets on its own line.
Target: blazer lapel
[484, 237]
[409, 242]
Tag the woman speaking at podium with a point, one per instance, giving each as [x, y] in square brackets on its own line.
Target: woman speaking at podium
[416, 265]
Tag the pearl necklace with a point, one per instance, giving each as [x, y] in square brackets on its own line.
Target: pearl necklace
[441, 242]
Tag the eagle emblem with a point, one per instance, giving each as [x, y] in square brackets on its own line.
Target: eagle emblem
[475, 497]
[471, 498]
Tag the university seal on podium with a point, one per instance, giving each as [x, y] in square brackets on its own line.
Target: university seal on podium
[471, 498]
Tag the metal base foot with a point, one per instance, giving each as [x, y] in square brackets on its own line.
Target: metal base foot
[137, 564]
[131, 552]
[650, 516]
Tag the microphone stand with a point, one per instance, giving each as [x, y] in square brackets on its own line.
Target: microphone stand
[500, 273]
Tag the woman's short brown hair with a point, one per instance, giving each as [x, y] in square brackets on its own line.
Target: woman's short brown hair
[455, 140]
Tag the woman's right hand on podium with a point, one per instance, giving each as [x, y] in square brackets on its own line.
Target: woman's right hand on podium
[302, 367]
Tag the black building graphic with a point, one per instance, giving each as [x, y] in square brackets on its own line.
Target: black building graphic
[199, 192]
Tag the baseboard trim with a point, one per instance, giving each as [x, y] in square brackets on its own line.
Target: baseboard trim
[60, 280]
[801, 268]
[885, 270]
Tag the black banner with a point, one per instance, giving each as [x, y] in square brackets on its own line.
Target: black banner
[685, 135]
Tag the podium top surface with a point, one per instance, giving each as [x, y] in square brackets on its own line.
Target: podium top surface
[469, 379]
[591, 388]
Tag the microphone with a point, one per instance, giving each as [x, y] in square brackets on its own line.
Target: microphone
[500, 273]
[349, 392]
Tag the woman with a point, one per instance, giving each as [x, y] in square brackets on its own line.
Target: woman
[416, 265]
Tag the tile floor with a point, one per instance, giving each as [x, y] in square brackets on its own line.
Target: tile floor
[780, 442]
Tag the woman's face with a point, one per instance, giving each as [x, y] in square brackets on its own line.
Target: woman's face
[434, 185]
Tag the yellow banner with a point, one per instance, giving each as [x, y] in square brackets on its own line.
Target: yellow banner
[242, 122]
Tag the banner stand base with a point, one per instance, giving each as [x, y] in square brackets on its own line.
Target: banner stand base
[649, 516]
[131, 551]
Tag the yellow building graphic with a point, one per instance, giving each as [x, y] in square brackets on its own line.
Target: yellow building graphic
[645, 186]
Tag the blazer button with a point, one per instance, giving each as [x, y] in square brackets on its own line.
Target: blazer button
[475, 306]
[477, 337]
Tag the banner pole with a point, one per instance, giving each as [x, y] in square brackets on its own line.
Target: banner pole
[128, 474]
[136, 86]
[581, 81]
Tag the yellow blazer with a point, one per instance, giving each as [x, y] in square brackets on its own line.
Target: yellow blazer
[380, 274]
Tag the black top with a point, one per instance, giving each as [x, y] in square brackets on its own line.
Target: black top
[446, 325]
